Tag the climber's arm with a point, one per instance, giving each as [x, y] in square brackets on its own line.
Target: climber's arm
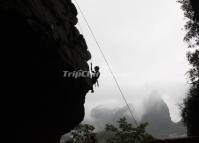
[92, 68]
[97, 83]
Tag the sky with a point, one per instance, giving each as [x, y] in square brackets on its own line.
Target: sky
[143, 43]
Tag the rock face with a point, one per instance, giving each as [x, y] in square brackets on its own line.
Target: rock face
[39, 41]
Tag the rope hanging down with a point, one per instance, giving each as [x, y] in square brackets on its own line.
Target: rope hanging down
[102, 53]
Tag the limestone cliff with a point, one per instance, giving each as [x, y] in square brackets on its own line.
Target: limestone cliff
[39, 41]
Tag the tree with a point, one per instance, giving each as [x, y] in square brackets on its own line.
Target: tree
[191, 12]
[191, 103]
[83, 134]
[126, 133]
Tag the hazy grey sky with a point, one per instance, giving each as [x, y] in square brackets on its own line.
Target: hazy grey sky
[143, 42]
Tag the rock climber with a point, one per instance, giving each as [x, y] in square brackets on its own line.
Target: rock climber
[94, 76]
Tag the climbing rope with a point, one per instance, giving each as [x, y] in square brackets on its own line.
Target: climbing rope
[105, 59]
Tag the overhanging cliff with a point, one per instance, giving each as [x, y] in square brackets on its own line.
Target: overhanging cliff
[39, 41]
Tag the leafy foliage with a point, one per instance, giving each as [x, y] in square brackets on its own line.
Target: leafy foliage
[192, 25]
[193, 59]
[191, 103]
[190, 111]
[83, 134]
[126, 133]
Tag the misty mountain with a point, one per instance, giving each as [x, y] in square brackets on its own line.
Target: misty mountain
[156, 113]
[158, 116]
[100, 116]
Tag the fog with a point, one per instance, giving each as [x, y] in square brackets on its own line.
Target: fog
[143, 43]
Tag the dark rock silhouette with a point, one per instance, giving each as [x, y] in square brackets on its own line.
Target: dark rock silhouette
[39, 41]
